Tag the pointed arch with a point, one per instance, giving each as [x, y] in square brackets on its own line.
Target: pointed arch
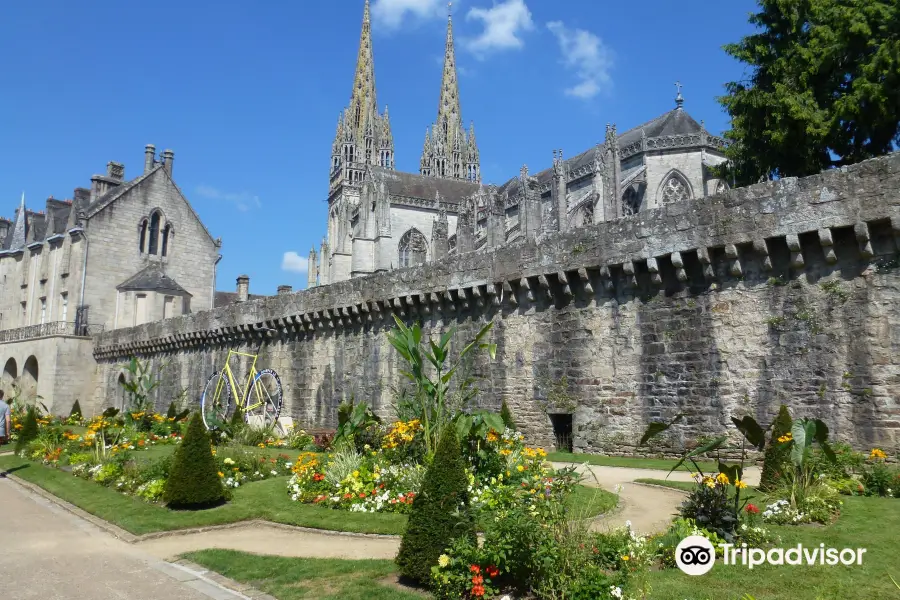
[155, 218]
[675, 187]
[721, 187]
[142, 233]
[413, 248]
[583, 214]
[631, 202]
[168, 231]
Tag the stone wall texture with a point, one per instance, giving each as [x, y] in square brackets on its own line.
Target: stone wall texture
[782, 292]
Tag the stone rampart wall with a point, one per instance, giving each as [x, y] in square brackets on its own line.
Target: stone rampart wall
[782, 292]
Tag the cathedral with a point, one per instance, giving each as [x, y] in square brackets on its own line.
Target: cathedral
[381, 219]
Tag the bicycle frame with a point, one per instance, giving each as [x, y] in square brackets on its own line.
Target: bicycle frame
[241, 400]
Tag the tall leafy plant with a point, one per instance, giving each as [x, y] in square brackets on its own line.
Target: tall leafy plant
[431, 370]
[138, 383]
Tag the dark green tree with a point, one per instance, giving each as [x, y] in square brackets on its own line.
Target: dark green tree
[172, 412]
[778, 454]
[439, 513]
[194, 481]
[823, 88]
[506, 415]
[76, 411]
[29, 430]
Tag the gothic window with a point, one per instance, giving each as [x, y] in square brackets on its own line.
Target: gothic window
[142, 244]
[413, 248]
[675, 189]
[631, 202]
[154, 233]
[721, 187]
[586, 215]
[451, 242]
[165, 242]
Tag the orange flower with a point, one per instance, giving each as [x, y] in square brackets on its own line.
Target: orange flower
[492, 571]
[477, 579]
[478, 590]
[475, 569]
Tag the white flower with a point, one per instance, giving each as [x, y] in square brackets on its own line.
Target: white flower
[615, 591]
[274, 472]
[628, 525]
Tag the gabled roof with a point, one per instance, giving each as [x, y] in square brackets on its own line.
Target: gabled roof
[410, 185]
[225, 298]
[152, 279]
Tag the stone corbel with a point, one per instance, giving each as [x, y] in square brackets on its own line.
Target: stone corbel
[734, 266]
[629, 270]
[564, 284]
[463, 298]
[449, 300]
[827, 243]
[525, 284]
[586, 280]
[545, 286]
[793, 243]
[709, 273]
[678, 263]
[653, 268]
[606, 278]
[424, 305]
[398, 307]
[761, 247]
[510, 293]
[410, 304]
[861, 230]
[479, 298]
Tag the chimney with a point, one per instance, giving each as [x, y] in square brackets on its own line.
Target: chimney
[115, 171]
[243, 288]
[284, 290]
[168, 158]
[149, 157]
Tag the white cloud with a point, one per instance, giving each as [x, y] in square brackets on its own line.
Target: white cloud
[243, 201]
[504, 24]
[390, 14]
[585, 54]
[294, 263]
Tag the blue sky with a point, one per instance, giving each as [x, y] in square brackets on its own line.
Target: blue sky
[248, 95]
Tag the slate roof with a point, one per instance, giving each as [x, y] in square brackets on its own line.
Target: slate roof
[226, 298]
[410, 185]
[152, 279]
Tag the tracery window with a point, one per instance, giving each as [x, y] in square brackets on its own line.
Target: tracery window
[675, 189]
[631, 202]
[142, 245]
[413, 248]
[165, 241]
[721, 187]
[586, 216]
[154, 233]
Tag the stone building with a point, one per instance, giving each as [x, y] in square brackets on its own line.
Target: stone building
[120, 254]
[380, 219]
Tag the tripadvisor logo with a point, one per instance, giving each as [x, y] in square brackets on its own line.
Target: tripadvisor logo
[695, 555]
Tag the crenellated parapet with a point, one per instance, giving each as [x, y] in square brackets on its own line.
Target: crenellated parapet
[703, 242]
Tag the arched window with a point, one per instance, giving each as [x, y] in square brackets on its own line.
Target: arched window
[142, 245]
[631, 202]
[154, 233]
[586, 215]
[413, 248]
[674, 189]
[721, 187]
[165, 245]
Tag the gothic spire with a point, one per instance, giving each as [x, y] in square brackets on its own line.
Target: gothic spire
[362, 99]
[18, 233]
[448, 105]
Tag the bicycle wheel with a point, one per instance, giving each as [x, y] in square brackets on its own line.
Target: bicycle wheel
[263, 403]
[216, 401]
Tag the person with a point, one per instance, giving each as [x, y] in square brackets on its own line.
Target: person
[5, 425]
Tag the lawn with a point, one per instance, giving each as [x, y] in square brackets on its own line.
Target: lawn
[664, 464]
[296, 579]
[266, 500]
[870, 523]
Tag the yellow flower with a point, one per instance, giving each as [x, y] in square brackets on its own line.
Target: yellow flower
[261, 445]
[786, 437]
[626, 557]
[356, 473]
[506, 452]
[739, 484]
[722, 478]
[877, 454]
[709, 482]
[221, 474]
[443, 560]
[520, 468]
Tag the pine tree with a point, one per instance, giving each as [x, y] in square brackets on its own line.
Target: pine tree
[439, 512]
[777, 453]
[172, 412]
[29, 430]
[76, 411]
[194, 481]
[506, 415]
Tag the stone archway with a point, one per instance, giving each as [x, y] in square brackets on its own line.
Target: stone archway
[29, 379]
[121, 394]
[8, 377]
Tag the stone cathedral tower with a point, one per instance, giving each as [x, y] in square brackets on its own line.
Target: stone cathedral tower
[450, 151]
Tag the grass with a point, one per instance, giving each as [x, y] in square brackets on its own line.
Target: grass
[664, 464]
[870, 523]
[685, 486]
[266, 500]
[306, 578]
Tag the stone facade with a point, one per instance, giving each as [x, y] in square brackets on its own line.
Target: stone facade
[782, 292]
[122, 253]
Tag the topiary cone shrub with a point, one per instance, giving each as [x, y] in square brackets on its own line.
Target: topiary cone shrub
[172, 412]
[29, 430]
[75, 413]
[439, 513]
[507, 417]
[778, 454]
[194, 481]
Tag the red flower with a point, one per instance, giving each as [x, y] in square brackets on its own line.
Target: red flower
[752, 509]
[475, 569]
[492, 571]
[362, 495]
[348, 495]
[478, 590]
[477, 580]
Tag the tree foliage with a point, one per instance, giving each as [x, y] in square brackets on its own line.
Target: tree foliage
[29, 430]
[506, 415]
[438, 513]
[778, 454]
[823, 87]
[194, 481]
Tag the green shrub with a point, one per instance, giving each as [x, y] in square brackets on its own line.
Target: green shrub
[194, 481]
[75, 413]
[506, 415]
[29, 430]
[778, 454]
[439, 512]
[172, 412]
